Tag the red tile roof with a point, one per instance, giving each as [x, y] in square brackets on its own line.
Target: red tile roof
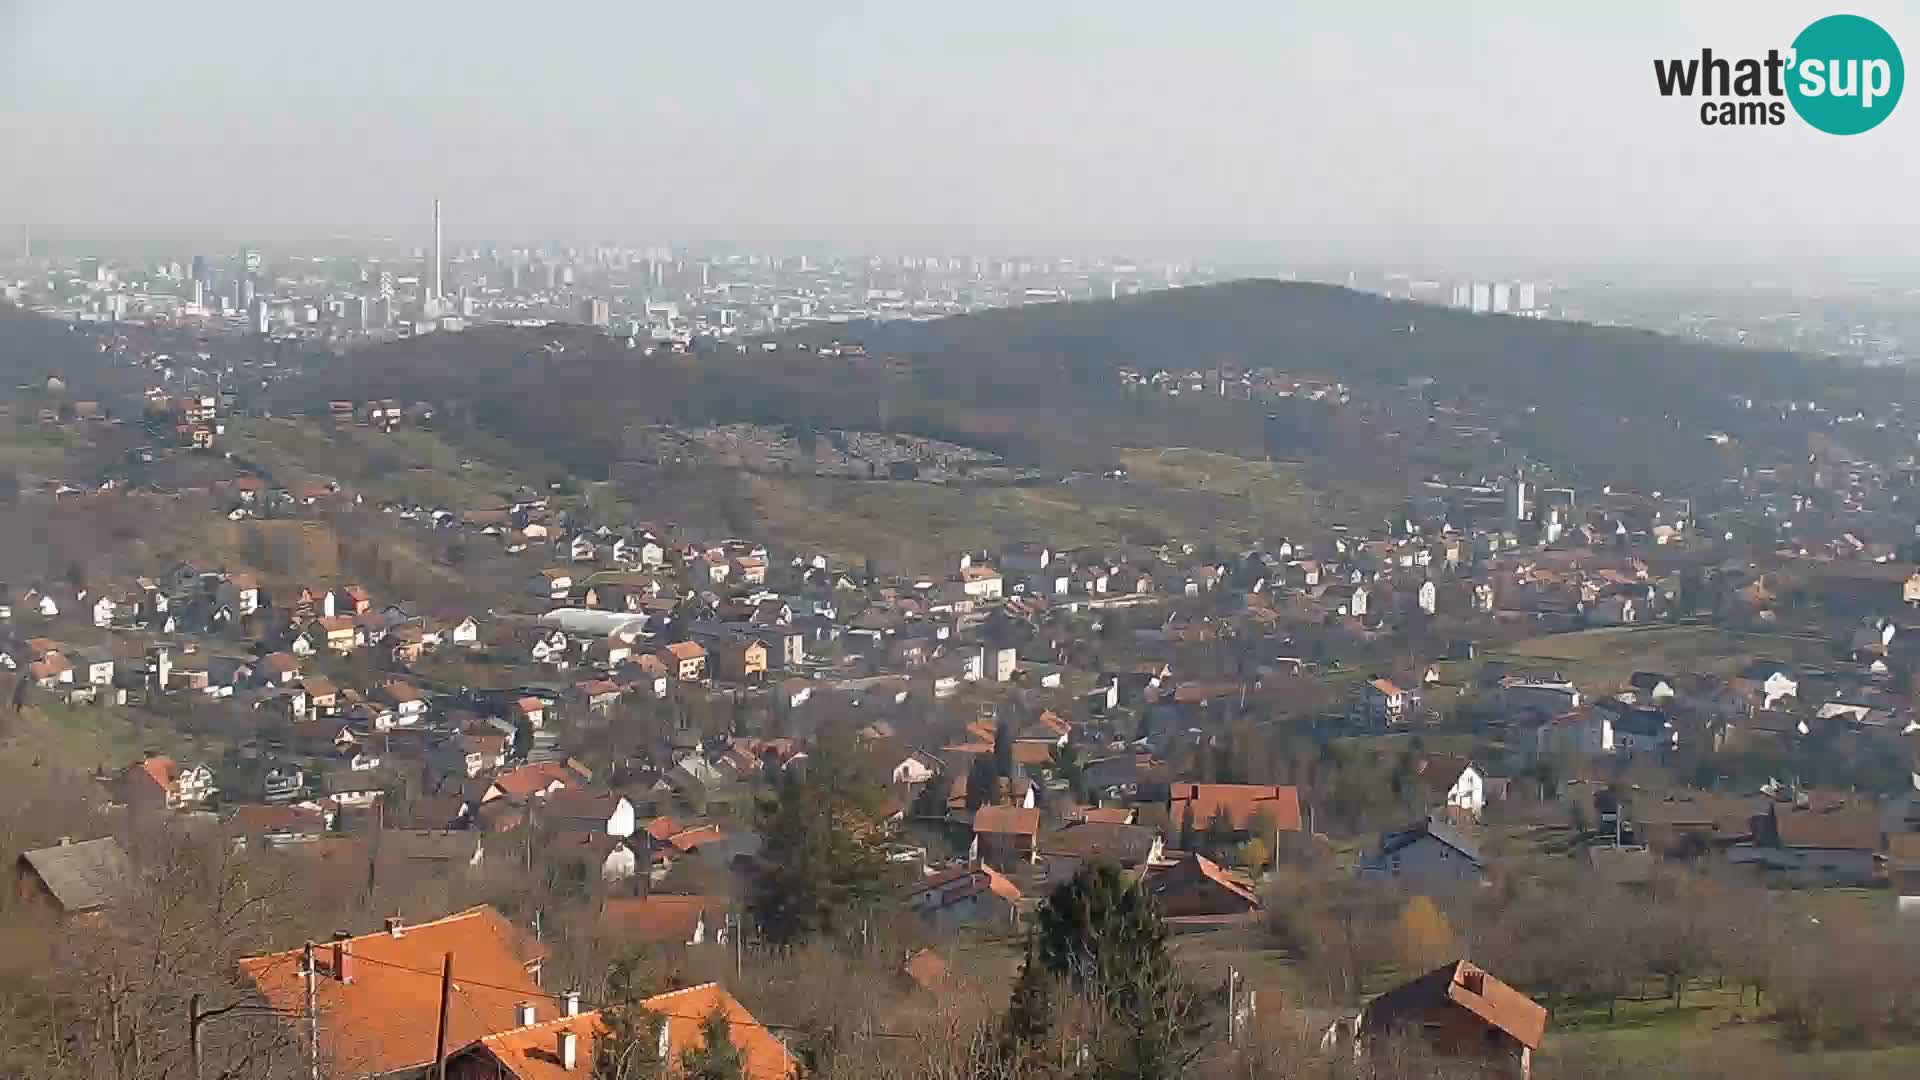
[1006, 820]
[384, 1018]
[1242, 803]
[1464, 985]
[984, 879]
[528, 780]
[531, 1053]
[662, 919]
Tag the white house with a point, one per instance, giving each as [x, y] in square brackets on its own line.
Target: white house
[552, 584]
[1461, 786]
[982, 582]
[651, 554]
[914, 768]
[1004, 663]
[1770, 681]
[1381, 703]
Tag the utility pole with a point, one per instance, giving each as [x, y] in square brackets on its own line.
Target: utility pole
[193, 1034]
[313, 1015]
[440, 1035]
[1232, 1016]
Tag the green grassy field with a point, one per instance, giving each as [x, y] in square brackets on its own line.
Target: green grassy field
[1611, 654]
[80, 737]
[409, 464]
[1169, 494]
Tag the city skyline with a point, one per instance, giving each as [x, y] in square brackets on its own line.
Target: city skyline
[1087, 129]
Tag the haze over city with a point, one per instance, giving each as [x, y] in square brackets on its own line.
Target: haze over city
[1049, 541]
[1466, 129]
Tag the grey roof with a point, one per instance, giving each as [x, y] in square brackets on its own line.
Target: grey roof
[85, 876]
[1439, 830]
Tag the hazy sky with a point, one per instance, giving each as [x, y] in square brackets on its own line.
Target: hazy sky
[1416, 124]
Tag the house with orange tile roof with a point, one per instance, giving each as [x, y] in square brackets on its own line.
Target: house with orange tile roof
[530, 709]
[685, 660]
[1460, 1011]
[964, 895]
[1003, 835]
[160, 783]
[563, 1048]
[335, 632]
[666, 920]
[352, 600]
[378, 995]
[1245, 807]
[1198, 889]
[538, 780]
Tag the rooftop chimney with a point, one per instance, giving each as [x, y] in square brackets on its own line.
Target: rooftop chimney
[523, 1014]
[343, 956]
[570, 1003]
[569, 1049]
[396, 926]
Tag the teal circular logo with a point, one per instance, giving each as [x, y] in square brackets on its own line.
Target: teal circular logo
[1846, 75]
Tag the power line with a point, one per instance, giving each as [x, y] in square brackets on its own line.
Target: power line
[602, 1005]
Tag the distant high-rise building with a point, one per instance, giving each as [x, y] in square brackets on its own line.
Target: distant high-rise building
[262, 317]
[250, 259]
[1482, 298]
[1527, 296]
[1462, 295]
[1519, 504]
[595, 311]
[1502, 297]
[439, 262]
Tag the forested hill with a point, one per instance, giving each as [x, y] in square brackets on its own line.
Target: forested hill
[1328, 330]
[33, 347]
[1038, 384]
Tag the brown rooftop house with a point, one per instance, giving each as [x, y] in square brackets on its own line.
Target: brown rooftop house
[1067, 849]
[1197, 893]
[1247, 808]
[1834, 845]
[685, 660]
[1456, 1011]
[963, 895]
[566, 1046]
[666, 920]
[1004, 835]
[378, 995]
[74, 878]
